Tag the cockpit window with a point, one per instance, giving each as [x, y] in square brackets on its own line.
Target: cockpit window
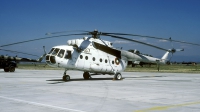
[61, 53]
[51, 51]
[68, 55]
[55, 51]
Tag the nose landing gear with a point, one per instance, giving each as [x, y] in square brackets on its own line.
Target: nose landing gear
[65, 77]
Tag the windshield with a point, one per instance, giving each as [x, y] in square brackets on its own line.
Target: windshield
[51, 51]
[55, 51]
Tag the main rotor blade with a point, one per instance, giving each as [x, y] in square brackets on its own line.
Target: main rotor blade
[53, 33]
[118, 37]
[150, 37]
[19, 52]
[41, 39]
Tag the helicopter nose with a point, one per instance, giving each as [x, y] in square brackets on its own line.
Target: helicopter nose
[50, 59]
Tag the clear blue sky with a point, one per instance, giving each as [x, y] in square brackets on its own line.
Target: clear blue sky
[28, 19]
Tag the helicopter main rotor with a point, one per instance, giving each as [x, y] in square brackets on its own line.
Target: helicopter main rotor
[96, 35]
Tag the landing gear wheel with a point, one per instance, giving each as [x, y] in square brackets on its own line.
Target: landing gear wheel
[86, 75]
[11, 68]
[118, 76]
[66, 78]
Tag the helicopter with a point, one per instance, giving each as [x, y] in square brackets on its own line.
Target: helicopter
[149, 59]
[95, 56]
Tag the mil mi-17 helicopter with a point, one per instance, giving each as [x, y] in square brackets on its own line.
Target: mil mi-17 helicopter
[95, 56]
[147, 59]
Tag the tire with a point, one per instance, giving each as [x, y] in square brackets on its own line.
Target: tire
[118, 76]
[12, 69]
[86, 75]
[66, 78]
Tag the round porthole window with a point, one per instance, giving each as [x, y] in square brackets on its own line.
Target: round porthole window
[113, 62]
[81, 56]
[86, 57]
[106, 61]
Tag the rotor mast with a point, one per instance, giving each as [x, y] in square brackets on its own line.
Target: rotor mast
[95, 34]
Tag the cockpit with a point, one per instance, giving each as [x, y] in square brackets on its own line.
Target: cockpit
[57, 52]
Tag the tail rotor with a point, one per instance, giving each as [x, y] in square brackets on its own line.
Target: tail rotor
[172, 51]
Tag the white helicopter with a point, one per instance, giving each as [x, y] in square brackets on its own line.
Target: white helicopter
[150, 60]
[95, 56]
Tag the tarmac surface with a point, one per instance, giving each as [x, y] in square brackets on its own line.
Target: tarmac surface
[44, 91]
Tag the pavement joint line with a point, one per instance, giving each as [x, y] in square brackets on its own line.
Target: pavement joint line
[40, 104]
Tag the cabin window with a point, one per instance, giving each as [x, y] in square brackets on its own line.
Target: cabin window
[68, 55]
[112, 62]
[100, 60]
[81, 56]
[86, 57]
[61, 53]
[55, 52]
[93, 58]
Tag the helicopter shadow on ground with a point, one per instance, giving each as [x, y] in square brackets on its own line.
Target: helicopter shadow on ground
[57, 81]
[145, 77]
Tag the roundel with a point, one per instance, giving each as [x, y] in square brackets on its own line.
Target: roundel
[117, 61]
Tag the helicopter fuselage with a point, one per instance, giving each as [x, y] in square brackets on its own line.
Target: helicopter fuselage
[90, 59]
[95, 56]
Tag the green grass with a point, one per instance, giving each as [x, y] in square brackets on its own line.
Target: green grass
[176, 68]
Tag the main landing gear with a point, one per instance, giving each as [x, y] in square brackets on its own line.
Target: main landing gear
[117, 76]
[86, 75]
[66, 77]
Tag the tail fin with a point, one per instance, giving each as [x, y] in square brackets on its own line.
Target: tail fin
[165, 56]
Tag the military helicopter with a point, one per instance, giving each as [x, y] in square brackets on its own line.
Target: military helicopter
[150, 60]
[95, 56]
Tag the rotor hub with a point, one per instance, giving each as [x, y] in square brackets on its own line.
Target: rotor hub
[95, 34]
